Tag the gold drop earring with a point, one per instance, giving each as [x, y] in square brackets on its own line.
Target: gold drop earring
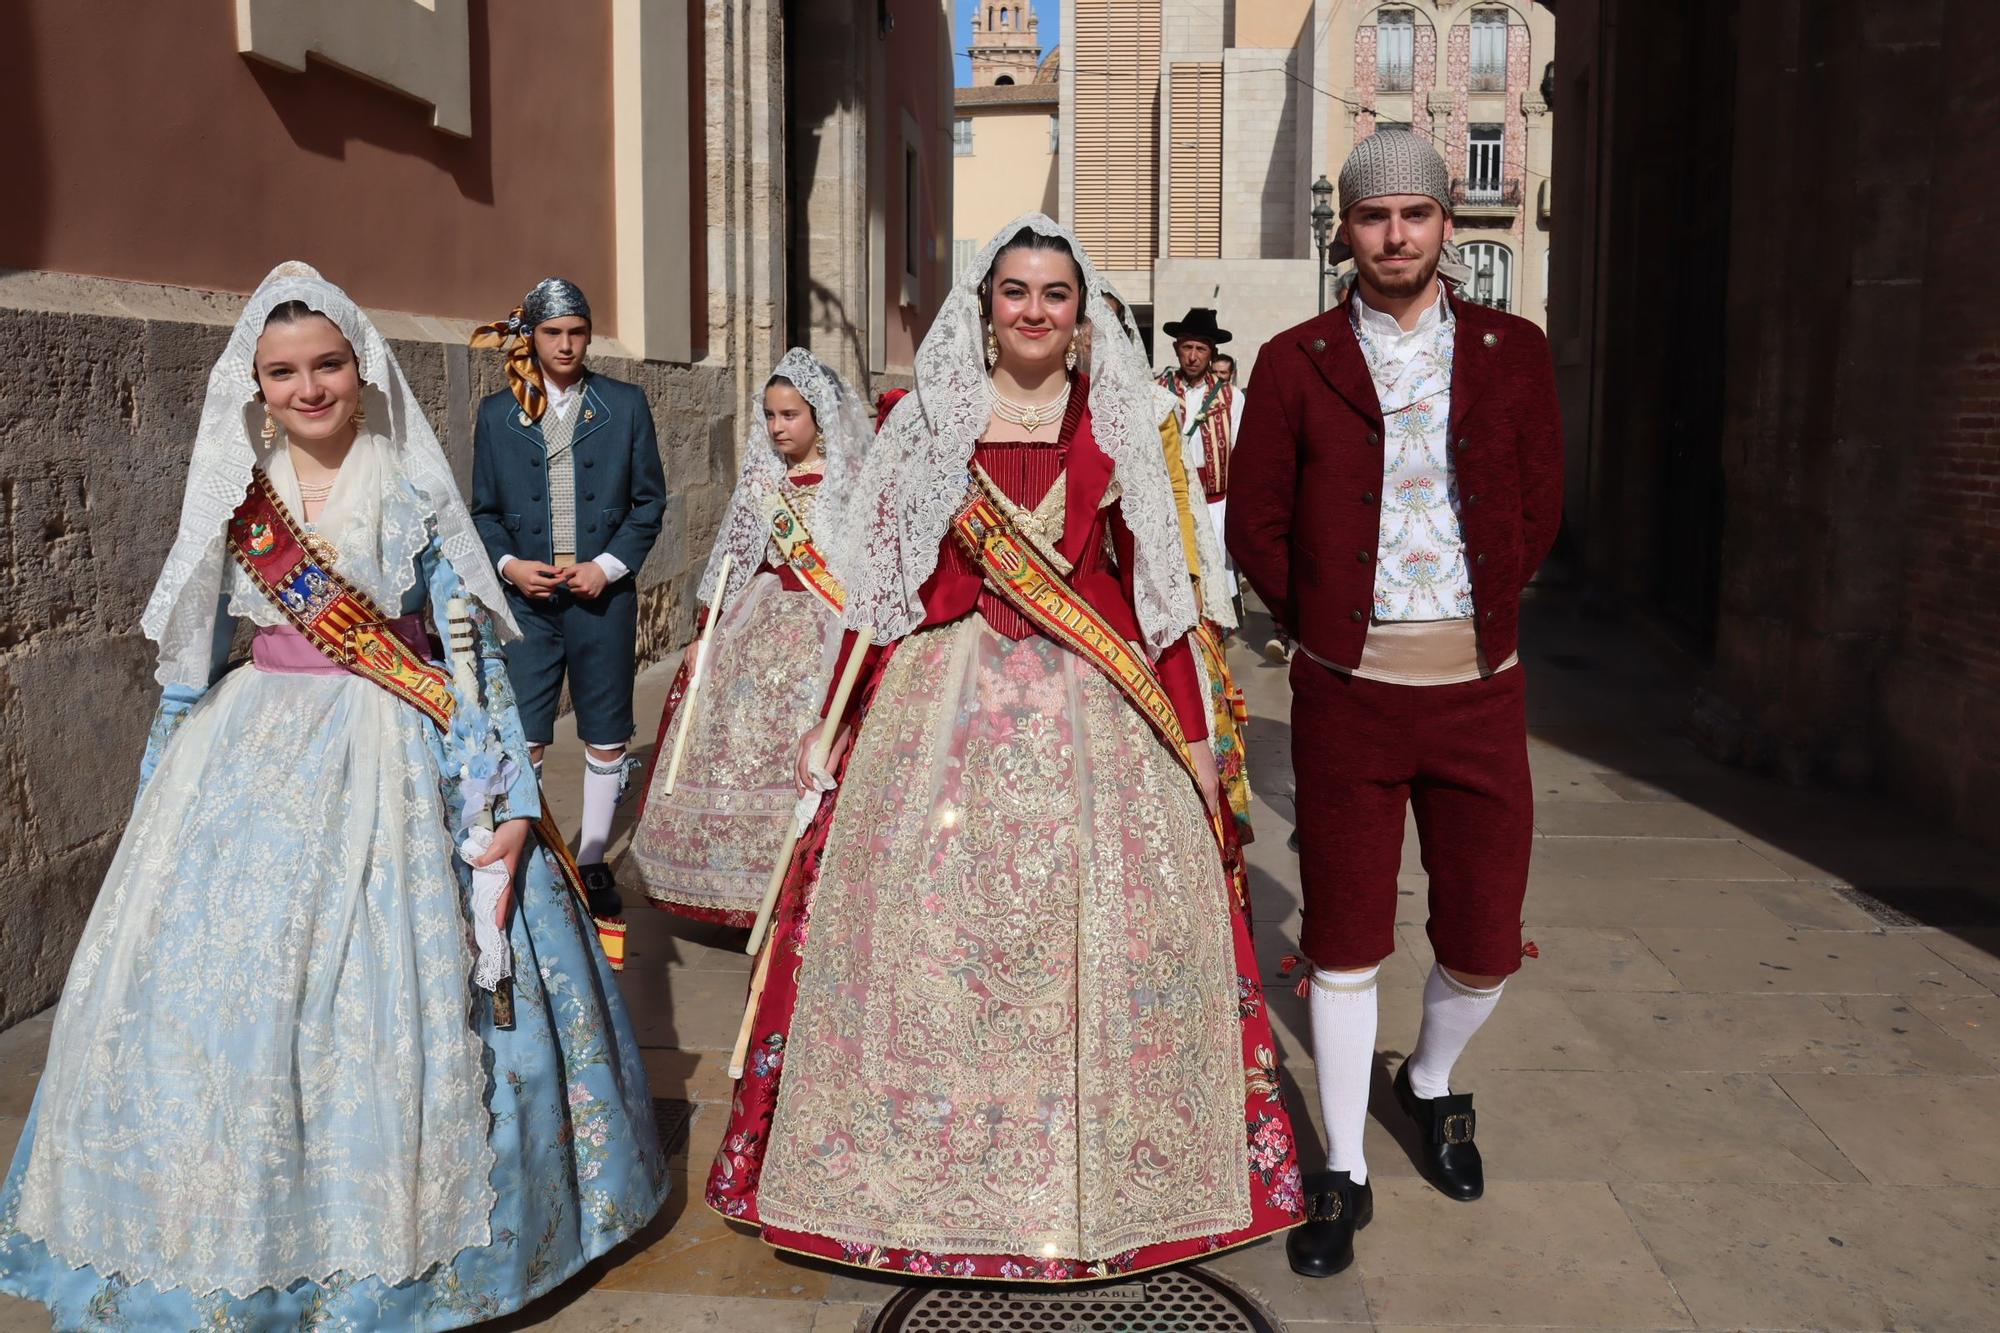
[270, 431]
[1069, 357]
[992, 348]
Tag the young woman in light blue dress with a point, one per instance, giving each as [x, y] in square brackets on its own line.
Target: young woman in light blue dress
[274, 1097]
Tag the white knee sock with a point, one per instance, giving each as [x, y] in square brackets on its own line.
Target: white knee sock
[1453, 1011]
[600, 798]
[1343, 1037]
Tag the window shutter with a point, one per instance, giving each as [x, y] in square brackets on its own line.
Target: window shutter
[1117, 168]
[1195, 211]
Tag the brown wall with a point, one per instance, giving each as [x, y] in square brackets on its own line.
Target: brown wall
[1781, 371]
[919, 72]
[161, 155]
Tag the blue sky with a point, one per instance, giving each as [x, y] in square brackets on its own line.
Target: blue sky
[1049, 12]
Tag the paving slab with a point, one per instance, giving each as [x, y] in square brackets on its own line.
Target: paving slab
[1976, 953]
[1654, 858]
[22, 1050]
[1526, 1253]
[1595, 900]
[1630, 819]
[1841, 1034]
[1972, 1019]
[19, 1316]
[1575, 958]
[1825, 1256]
[1262, 1270]
[1551, 1125]
[1907, 1131]
[1810, 961]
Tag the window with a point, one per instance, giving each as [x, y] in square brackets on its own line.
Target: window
[1392, 125]
[1395, 49]
[1006, 18]
[962, 255]
[961, 137]
[1489, 51]
[1482, 166]
[1492, 273]
[1055, 135]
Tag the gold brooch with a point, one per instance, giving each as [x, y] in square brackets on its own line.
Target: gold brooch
[589, 415]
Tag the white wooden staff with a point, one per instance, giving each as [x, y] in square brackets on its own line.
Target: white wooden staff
[703, 646]
[822, 752]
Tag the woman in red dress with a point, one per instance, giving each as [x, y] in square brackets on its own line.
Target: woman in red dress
[1013, 1028]
[705, 849]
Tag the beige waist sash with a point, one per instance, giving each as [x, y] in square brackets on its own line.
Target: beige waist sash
[1420, 652]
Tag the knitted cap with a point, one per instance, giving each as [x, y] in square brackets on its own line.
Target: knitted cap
[1393, 162]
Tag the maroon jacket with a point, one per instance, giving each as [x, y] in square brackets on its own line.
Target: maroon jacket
[1304, 511]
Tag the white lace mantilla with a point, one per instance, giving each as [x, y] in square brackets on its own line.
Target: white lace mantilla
[746, 527]
[915, 477]
[180, 615]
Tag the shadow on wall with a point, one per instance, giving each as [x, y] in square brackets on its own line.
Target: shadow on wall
[398, 124]
[22, 221]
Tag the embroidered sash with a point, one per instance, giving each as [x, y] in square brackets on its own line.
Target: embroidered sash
[795, 543]
[1213, 421]
[1025, 579]
[351, 630]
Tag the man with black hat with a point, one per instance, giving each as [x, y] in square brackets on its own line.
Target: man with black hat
[568, 494]
[1398, 480]
[1211, 410]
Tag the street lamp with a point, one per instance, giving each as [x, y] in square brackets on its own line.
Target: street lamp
[1322, 220]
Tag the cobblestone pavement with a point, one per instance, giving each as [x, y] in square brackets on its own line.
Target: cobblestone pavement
[1752, 1081]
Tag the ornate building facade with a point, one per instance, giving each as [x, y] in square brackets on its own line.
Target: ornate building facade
[1192, 136]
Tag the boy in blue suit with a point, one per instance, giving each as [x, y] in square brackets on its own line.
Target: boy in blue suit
[567, 494]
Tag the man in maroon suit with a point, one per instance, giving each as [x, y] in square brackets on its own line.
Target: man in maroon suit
[1398, 480]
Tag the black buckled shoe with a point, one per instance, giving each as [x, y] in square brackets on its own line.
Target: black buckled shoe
[1336, 1208]
[602, 890]
[1448, 1157]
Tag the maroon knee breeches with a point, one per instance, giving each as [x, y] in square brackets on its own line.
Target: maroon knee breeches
[1457, 755]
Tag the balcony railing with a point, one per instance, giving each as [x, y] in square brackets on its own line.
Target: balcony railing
[1487, 193]
[1394, 78]
[1488, 79]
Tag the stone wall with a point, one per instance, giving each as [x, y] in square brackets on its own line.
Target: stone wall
[1258, 299]
[1783, 388]
[1261, 192]
[98, 409]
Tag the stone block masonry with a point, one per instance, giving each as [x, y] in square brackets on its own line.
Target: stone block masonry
[100, 396]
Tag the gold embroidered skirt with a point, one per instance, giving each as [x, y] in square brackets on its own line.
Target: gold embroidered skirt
[709, 846]
[1017, 1020]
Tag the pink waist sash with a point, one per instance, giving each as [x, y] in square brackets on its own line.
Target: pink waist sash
[284, 649]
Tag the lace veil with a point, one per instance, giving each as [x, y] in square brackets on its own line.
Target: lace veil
[915, 476]
[746, 529]
[180, 616]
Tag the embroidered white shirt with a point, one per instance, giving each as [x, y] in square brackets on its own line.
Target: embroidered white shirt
[1420, 570]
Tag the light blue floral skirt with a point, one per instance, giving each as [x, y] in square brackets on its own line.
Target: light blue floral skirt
[577, 1165]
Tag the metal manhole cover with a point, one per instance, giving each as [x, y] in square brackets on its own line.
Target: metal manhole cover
[671, 1116]
[1184, 1300]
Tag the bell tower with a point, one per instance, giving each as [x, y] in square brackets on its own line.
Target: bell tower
[1006, 42]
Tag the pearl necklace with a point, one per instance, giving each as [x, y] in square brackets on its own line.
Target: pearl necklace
[1029, 416]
